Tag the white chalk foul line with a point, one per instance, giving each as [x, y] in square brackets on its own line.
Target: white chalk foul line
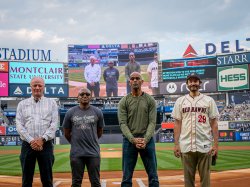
[103, 183]
[56, 183]
[140, 183]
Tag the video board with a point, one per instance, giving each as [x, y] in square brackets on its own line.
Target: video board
[178, 69]
[79, 58]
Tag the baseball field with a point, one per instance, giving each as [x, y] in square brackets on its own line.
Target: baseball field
[232, 168]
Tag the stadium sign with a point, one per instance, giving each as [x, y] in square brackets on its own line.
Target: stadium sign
[2, 130]
[4, 67]
[181, 87]
[242, 136]
[50, 90]
[4, 81]
[232, 78]
[25, 54]
[11, 130]
[225, 46]
[23, 72]
[234, 59]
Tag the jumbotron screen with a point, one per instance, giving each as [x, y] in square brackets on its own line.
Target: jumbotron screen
[79, 58]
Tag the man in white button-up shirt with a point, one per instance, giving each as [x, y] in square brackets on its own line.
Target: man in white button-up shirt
[195, 129]
[92, 74]
[36, 121]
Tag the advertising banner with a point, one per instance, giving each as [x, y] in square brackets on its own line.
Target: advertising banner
[2, 130]
[234, 59]
[242, 136]
[119, 54]
[167, 125]
[2, 140]
[233, 78]
[20, 72]
[51, 90]
[178, 69]
[4, 85]
[10, 140]
[166, 136]
[240, 125]
[11, 130]
[168, 108]
[223, 125]
[239, 97]
[226, 136]
[4, 67]
[181, 87]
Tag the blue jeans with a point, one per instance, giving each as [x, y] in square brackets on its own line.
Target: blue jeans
[78, 166]
[129, 159]
[45, 160]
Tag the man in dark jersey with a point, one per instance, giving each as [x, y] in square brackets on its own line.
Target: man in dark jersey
[83, 125]
[137, 119]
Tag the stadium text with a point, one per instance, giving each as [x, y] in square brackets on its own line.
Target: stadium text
[232, 59]
[25, 54]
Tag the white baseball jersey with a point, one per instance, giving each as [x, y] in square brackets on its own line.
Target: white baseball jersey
[196, 132]
[153, 69]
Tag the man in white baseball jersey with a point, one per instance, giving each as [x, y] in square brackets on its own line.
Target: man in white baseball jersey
[92, 74]
[153, 75]
[195, 129]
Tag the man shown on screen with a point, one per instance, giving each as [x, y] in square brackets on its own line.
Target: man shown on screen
[111, 76]
[92, 74]
[153, 75]
[130, 67]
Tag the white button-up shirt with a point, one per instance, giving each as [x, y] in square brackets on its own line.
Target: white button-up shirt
[37, 119]
[92, 73]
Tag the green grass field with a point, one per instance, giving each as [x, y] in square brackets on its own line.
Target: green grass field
[78, 77]
[228, 159]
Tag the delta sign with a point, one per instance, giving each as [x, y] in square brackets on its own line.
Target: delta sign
[232, 78]
[225, 47]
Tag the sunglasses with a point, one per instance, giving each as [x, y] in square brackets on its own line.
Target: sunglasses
[82, 94]
[135, 78]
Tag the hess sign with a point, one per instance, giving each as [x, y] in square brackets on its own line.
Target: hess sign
[233, 78]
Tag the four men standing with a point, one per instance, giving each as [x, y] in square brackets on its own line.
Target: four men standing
[195, 117]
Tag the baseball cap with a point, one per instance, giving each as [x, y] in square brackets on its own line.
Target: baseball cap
[194, 75]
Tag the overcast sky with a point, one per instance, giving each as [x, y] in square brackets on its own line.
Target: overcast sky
[53, 24]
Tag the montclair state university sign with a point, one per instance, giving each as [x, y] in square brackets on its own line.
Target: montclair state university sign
[25, 54]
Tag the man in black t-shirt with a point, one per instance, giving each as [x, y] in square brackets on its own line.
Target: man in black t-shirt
[83, 125]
